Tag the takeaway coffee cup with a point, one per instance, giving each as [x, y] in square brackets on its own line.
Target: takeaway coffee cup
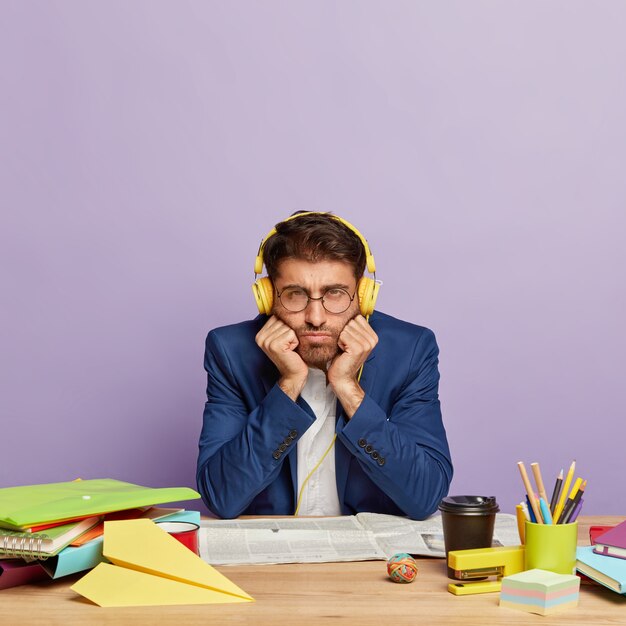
[468, 523]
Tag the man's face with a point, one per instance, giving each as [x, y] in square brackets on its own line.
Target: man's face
[317, 330]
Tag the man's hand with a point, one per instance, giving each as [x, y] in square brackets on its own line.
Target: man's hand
[357, 340]
[279, 342]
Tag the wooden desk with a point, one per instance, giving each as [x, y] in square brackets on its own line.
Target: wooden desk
[314, 594]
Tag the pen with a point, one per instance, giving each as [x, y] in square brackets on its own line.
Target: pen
[569, 503]
[568, 480]
[539, 480]
[525, 510]
[556, 492]
[545, 511]
[530, 512]
[529, 491]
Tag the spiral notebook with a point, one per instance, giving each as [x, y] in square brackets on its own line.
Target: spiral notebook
[41, 545]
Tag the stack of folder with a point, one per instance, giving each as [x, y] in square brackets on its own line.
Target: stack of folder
[56, 529]
[605, 560]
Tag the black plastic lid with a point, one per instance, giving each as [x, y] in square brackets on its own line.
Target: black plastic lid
[465, 505]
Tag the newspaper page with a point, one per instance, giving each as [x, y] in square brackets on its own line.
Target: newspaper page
[360, 537]
[400, 534]
[286, 540]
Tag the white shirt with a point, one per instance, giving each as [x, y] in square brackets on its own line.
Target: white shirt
[320, 492]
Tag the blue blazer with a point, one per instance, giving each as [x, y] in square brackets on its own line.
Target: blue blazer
[391, 457]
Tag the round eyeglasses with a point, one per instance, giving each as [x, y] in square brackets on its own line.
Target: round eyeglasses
[335, 300]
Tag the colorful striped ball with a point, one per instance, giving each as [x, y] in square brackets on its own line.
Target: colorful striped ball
[402, 568]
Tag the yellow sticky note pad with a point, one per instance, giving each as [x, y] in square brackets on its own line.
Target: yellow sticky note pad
[152, 568]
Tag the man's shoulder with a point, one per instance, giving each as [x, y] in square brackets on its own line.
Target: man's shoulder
[239, 332]
[401, 342]
[236, 343]
[386, 325]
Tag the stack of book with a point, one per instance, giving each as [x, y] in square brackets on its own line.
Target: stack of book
[56, 529]
[605, 560]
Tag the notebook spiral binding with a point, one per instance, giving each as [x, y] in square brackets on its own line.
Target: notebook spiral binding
[23, 545]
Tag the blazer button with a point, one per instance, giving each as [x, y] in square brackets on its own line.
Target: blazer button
[381, 461]
[375, 455]
[287, 440]
[362, 443]
[293, 434]
[276, 454]
[282, 447]
[369, 448]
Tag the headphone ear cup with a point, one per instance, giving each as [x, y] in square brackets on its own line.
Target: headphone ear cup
[263, 291]
[367, 291]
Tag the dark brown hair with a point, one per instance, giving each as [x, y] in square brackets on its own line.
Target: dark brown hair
[314, 237]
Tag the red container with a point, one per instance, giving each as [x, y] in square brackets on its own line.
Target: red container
[185, 532]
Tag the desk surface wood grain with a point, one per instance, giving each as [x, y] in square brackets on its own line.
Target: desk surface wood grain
[314, 594]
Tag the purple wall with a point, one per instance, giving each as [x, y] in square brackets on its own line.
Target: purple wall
[146, 147]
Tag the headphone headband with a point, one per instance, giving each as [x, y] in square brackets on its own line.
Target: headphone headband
[369, 257]
[367, 288]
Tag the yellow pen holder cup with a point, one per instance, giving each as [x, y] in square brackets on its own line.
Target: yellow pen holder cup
[551, 547]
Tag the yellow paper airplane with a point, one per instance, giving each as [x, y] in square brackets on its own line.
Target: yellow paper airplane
[152, 568]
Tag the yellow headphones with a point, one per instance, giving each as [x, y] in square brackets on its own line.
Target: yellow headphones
[367, 288]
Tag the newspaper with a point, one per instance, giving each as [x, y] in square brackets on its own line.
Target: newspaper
[361, 537]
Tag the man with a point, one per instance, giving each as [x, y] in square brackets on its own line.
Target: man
[312, 409]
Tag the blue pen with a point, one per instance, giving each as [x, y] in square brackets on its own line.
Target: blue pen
[531, 513]
[545, 511]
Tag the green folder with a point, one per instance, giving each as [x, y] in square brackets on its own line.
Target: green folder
[23, 507]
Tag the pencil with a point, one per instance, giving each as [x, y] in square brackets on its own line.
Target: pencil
[576, 511]
[569, 503]
[569, 516]
[568, 480]
[556, 492]
[539, 480]
[529, 492]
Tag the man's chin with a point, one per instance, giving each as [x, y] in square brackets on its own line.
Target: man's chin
[318, 356]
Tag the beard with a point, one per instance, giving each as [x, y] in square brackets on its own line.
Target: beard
[318, 356]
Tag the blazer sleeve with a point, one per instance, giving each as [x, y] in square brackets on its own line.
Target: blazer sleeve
[405, 450]
[242, 447]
